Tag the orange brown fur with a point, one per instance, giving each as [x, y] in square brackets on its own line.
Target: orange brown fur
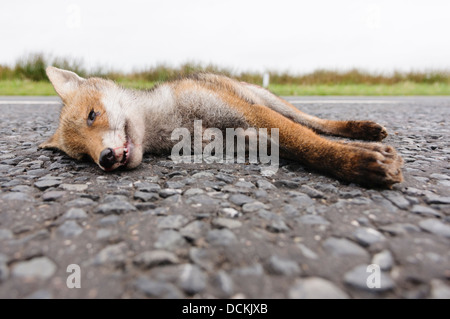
[345, 161]
[130, 123]
[368, 164]
[365, 130]
[73, 135]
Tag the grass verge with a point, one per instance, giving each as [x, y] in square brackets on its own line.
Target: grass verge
[44, 88]
[397, 89]
[26, 87]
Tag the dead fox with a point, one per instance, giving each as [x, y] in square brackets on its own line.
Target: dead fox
[116, 126]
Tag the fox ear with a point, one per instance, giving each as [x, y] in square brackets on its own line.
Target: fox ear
[53, 142]
[64, 82]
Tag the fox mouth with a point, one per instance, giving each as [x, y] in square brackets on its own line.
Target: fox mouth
[121, 156]
[127, 148]
[126, 152]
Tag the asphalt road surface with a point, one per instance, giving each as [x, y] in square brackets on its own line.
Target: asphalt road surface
[167, 230]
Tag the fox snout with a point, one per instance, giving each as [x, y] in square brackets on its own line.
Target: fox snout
[107, 158]
[111, 158]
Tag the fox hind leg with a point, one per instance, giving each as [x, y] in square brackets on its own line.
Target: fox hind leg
[363, 130]
[373, 166]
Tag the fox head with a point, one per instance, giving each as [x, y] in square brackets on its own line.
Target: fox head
[95, 121]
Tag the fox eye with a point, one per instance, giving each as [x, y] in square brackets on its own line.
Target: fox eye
[91, 118]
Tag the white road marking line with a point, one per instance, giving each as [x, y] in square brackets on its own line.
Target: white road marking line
[25, 102]
[344, 101]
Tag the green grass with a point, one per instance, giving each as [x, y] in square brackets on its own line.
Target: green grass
[26, 87]
[27, 77]
[138, 84]
[402, 88]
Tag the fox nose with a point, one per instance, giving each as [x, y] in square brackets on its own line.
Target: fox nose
[107, 158]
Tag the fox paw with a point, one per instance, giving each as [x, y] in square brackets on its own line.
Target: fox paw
[366, 130]
[380, 167]
[385, 150]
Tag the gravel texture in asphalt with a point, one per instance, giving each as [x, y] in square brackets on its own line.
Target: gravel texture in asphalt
[169, 230]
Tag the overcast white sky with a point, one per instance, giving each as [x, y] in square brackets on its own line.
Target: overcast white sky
[299, 36]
